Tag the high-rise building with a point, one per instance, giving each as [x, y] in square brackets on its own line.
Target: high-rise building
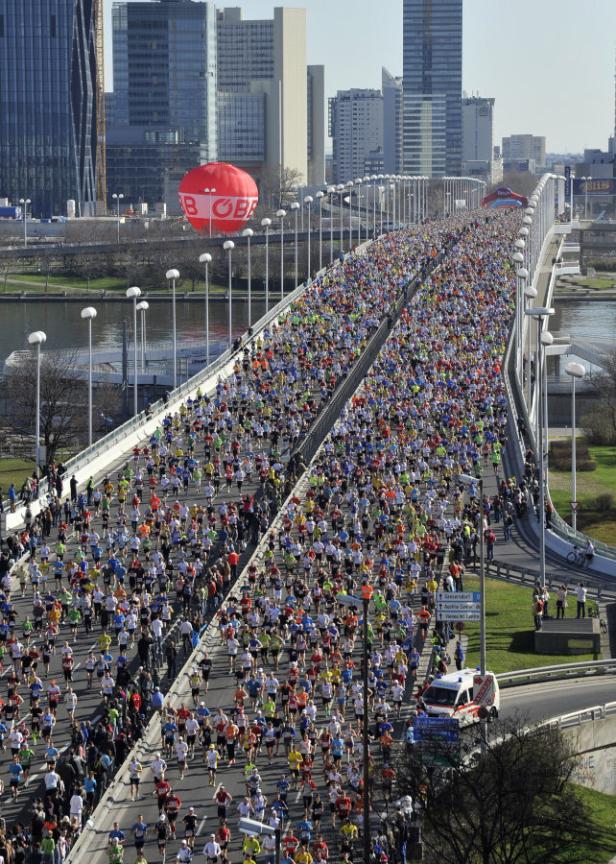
[316, 125]
[392, 123]
[432, 87]
[356, 128]
[51, 103]
[163, 116]
[477, 136]
[521, 148]
[268, 57]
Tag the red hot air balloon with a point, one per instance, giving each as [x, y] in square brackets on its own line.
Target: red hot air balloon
[219, 197]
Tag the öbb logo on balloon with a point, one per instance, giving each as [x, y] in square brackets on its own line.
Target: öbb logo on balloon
[218, 196]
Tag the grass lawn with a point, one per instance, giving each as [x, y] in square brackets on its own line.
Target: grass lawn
[601, 526]
[510, 629]
[14, 471]
[603, 809]
[596, 283]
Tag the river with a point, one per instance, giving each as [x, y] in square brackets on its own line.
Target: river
[66, 330]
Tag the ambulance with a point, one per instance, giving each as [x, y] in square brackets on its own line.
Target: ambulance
[463, 695]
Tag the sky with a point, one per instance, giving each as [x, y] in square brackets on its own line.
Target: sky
[548, 63]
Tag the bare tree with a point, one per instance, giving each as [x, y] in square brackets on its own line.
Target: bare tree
[511, 803]
[600, 426]
[277, 188]
[63, 415]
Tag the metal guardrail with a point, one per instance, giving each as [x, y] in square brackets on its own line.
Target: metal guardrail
[584, 715]
[562, 672]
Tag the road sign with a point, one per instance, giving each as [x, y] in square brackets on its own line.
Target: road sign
[453, 617]
[431, 729]
[458, 596]
[454, 606]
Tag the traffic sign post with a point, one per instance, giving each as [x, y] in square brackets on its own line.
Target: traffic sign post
[438, 739]
[452, 606]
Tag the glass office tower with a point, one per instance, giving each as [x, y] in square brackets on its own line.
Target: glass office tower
[163, 118]
[432, 87]
[49, 103]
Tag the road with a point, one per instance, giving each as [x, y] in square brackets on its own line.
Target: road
[537, 702]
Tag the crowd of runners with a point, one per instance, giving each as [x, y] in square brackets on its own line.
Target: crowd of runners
[113, 565]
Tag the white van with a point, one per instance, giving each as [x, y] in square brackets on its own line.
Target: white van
[461, 695]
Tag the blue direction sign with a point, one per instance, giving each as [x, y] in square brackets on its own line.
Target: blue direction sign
[432, 729]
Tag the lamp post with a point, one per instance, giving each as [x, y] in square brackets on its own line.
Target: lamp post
[229, 246]
[210, 191]
[37, 338]
[117, 197]
[381, 202]
[171, 276]
[331, 191]
[540, 312]
[358, 182]
[206, 259]
[295, 209]
[467, 480]
[132, 294]
[266, 225]
[518, 260]
[89, 314]
[575, 371]
[24, 203]
[349, 198]
[142, 308]
[308, 202]
[319, 196]
[281, 214]
[248, 233]
[340, 190]
[366, 595]
[530, 293]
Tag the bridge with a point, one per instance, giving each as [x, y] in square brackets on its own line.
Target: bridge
[101, 459]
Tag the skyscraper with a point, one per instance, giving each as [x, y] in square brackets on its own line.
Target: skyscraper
[356, 127]
[432, 86]
[392, 123]
[51, 103]
[267, 56]
[477, 136]
[163, 115]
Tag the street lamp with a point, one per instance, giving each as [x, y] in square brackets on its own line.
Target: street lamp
[381, 201]
[229, 246]
[171, 276]
[143, 307]
[539, 313]
[248, 233]
[210, 191]
[206, 259]
[265, 223]
[468, 480]
[340, 191]
[89, 314]
[358, 182]
[331, 190]
[308, 202]
[576, 371]
[518, 260]
[349, 186]
[295, 209]
[37, 338]
[24, 203]
[132, 294]
[319, 196]
[117, 197]
[281, 214]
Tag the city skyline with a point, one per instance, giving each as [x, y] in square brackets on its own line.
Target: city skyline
[533, 95]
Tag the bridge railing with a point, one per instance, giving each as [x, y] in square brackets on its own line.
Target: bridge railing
[561, 672]
[143, 424]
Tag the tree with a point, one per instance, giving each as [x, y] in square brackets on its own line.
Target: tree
[600, 426]
[63, 403]
[512, 803]
[278, 189]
